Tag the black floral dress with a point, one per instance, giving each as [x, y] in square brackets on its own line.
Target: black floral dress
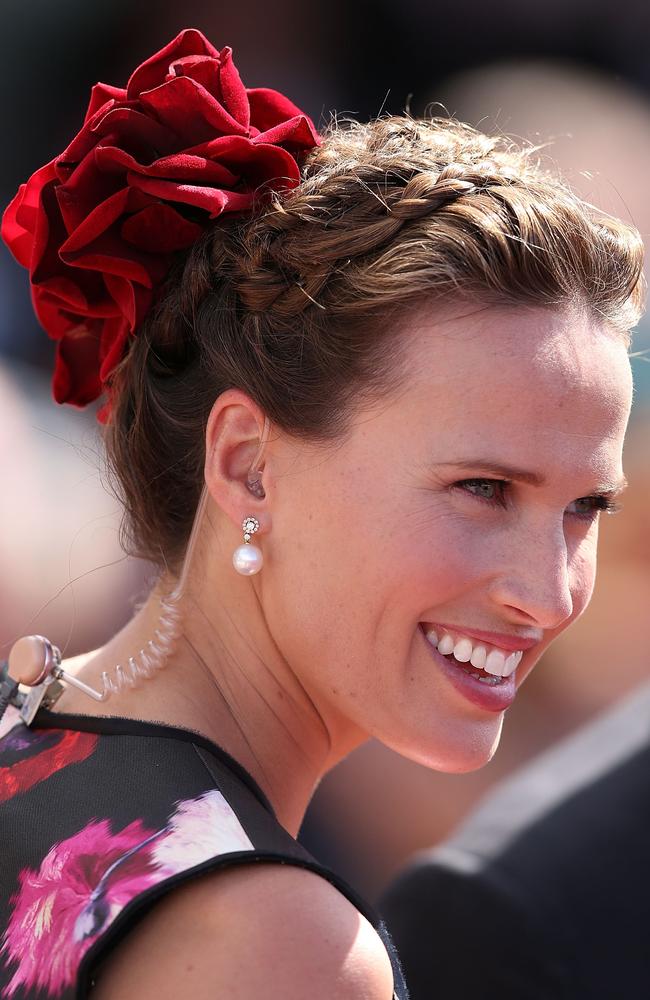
[99, 817]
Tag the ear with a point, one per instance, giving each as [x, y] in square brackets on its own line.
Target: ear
[233, 436]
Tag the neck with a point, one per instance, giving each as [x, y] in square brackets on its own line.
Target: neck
[226, 679]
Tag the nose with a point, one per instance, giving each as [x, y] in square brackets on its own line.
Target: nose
[534, 586]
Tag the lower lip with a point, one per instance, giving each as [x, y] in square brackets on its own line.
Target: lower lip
[492, 698]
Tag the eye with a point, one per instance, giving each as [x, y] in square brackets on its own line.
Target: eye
[488, 490]
[589, 507]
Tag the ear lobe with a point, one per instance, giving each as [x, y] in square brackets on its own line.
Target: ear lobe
[234, 467]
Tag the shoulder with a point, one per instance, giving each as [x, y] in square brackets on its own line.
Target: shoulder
[260, 929]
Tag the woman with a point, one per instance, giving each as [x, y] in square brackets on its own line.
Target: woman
[394, 358]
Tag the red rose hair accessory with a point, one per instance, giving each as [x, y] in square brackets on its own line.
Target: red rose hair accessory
[152, 166]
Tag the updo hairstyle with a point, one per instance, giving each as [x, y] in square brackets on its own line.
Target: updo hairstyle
[300, 304]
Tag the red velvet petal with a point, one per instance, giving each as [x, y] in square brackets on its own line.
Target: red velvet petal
[254, 162]
[220, 78]
[128, 127]
[97, 222]
[113, 339]
[100, 95]
[212, 200]
[82, 298]
[54, 321]
[236, 152]
[183, 166]
[30, 203]
[296, 135]
[233, 92]
[110, 256]
[61, 292]
[134, 125]
[20, 218]
[202, 69]
[269, 108]
[272, 167]
[49, 233]
[60, 321]
[76, 373]
[132, 303]
[85, 140]
[153, 71]
[18, 239]
[85, 188]
[160, 229]
[223, 149]
[188, 108]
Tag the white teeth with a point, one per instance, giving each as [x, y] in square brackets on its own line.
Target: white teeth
[495, 663]
[462, 650]
[446, 644]
[479, 656]
[512, 663]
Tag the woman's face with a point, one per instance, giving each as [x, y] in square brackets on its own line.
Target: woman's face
[467, 506]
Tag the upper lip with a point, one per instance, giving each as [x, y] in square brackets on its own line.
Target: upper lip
[503, 640]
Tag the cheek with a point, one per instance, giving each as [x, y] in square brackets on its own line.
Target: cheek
[358, 582]
[436, 570]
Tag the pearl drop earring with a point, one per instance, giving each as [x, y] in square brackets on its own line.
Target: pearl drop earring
[248, 559]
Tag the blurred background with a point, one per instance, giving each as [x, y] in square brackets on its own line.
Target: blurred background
[574, 73]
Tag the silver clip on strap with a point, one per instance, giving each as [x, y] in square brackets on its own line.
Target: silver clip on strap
[34, 662]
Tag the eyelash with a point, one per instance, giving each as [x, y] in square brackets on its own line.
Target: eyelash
[600, 503]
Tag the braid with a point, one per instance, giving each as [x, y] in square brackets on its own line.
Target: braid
[289, 257]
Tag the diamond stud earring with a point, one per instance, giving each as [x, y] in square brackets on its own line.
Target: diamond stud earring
[248, 559]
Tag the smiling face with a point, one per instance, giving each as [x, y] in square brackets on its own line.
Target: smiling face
[466, 506]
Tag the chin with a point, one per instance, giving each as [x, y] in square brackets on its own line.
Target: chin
[468, 749]
[467, 764]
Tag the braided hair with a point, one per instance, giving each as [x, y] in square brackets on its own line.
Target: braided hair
[301, 304]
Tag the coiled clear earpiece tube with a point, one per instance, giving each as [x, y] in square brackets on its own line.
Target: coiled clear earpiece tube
[35, 662]
[254, 477]
[155, 653]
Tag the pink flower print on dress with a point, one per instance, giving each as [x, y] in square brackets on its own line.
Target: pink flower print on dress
[86, 881]
[50, 928]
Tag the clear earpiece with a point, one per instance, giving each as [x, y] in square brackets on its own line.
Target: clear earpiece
[35, 662]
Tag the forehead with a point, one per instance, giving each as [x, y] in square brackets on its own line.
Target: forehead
[534, 378]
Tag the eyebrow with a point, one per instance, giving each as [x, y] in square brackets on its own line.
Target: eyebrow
[525, 476]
